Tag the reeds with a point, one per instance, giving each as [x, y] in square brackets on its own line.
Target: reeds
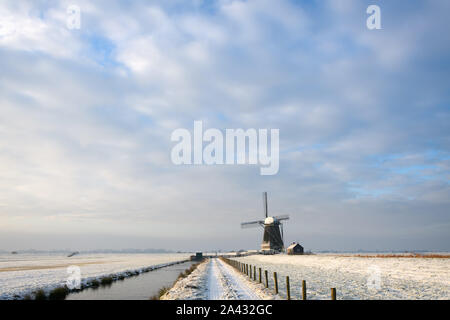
[59, 293]
[182, 275]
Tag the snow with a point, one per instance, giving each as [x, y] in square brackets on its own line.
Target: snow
[193, 287]
[232, 288]
[216, 280]
[398, 278]
[24, 273]
[216, 285]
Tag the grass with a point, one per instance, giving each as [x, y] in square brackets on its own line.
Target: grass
[40, 295]
[94, 283]
[182, 275]
[160, 293]
[59, 293]
[106, 281]
[187, 271]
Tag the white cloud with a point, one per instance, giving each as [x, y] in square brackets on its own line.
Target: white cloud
[86, 144]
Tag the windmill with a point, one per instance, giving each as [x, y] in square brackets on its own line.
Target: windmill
[273, 238]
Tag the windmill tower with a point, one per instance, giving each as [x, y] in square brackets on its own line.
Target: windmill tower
[273, 229]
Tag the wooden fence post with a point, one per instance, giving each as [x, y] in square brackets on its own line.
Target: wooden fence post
[254, 273]
[303, 290]
[267, 278]
[260, 275]
[333, 293]
[275, 280]
[288, 288]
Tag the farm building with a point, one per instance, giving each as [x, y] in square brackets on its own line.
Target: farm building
[294, 248]
[198, 256]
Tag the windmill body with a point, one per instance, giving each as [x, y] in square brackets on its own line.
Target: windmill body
[273, 229]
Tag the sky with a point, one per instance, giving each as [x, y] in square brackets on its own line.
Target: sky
[86, 117]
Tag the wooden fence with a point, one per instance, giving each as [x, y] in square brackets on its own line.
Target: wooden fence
[250, 271]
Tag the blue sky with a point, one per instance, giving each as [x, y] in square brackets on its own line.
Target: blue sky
[86, 117]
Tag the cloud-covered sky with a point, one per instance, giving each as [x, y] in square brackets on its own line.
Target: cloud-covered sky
[86, 117]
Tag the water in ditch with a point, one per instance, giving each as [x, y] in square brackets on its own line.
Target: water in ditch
[140, 287]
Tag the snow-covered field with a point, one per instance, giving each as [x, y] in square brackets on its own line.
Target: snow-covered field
[23, 273]
[353, 277]
[358, 277]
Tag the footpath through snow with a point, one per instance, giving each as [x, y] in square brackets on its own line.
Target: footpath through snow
[216, 280]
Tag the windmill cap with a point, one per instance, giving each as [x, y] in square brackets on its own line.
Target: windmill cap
[269, 220]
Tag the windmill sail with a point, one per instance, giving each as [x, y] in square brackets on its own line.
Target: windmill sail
[282, 217]
[265, 204]
[251, 224]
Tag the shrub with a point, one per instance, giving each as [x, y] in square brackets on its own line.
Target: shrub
[40, 295]
[58, 293]
[106, 281]
[94, 283]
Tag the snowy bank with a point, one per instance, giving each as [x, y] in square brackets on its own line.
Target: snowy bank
[358, 277]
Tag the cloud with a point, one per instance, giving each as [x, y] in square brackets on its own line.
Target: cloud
[86, 117]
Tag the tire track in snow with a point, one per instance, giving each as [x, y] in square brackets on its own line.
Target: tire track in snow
[223, 283]
[240, 289]
[215, 286]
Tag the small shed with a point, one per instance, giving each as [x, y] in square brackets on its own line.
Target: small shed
[294, 248]
[198, 256]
